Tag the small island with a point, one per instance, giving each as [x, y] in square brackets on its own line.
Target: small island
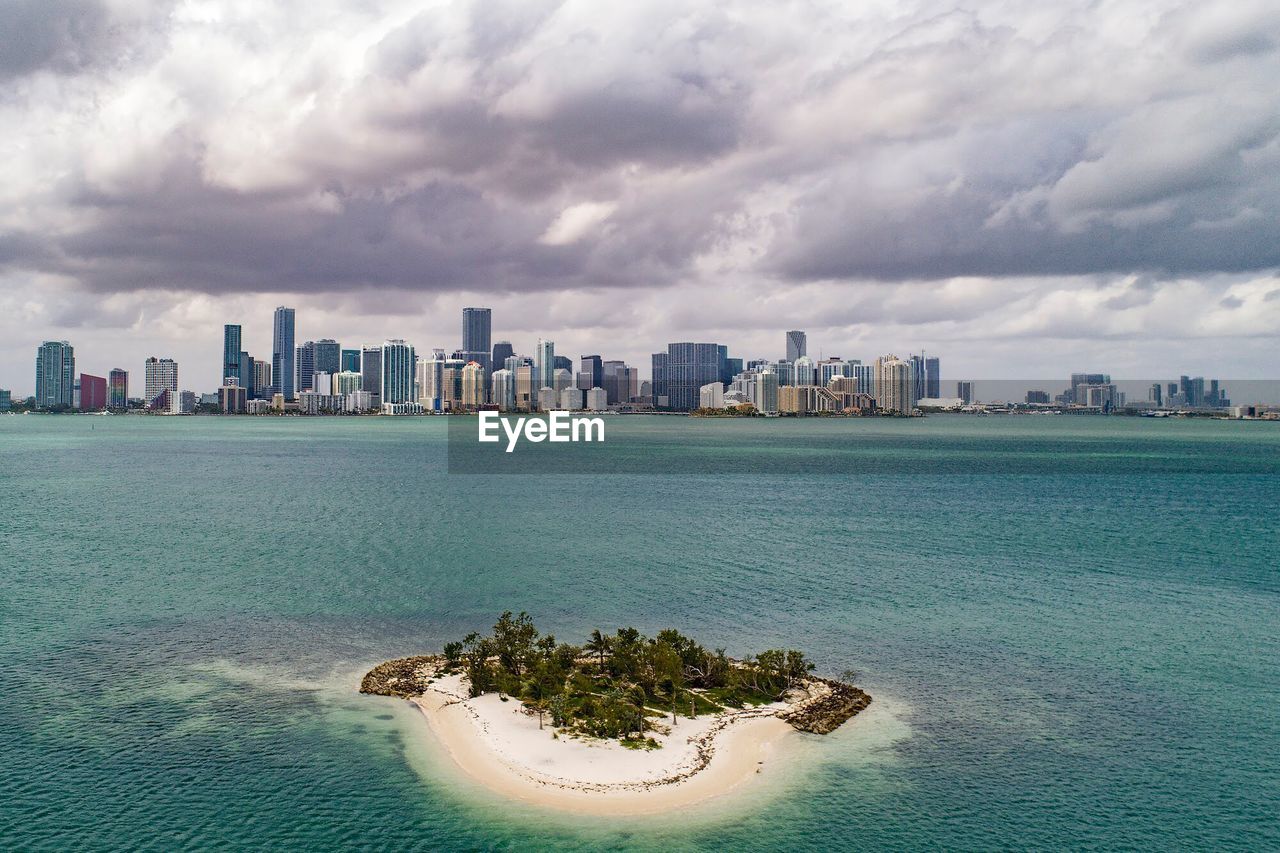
[622, 724]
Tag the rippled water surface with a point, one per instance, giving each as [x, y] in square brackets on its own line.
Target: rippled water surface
[1072, 624]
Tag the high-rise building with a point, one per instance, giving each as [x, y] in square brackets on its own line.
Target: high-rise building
[504, 390]
[346, 382]
[328, 358]
[93, 393]
[1157, 397]
[895, 384]
[571, 398]
[561, 379]
[304, 365]
[397, 372]
[687, 367]
[797, 345]
[932, 377]
[661, 399]
[473, 385]
[261, 379]
[283, 354]
[502, 351]
[118, 389]
[711, 396]
[430, 381]
[545, 362]
[371, 370]
[526, 387]
[596, 400]
[590, 372]
[161, 378]
[6, 399]
[246, 373]
[1078, 379]
[55, 375]
[477, 329]
[231, 351]
[964, 390]
[350, 361]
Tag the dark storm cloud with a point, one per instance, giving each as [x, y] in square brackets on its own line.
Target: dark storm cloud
[458, 148]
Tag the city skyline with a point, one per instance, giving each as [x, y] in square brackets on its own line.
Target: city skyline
[171, 171]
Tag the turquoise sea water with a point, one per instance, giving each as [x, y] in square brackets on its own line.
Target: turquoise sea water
[1071, 625]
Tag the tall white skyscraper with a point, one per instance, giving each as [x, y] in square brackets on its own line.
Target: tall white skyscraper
[895, 384]
[545, 363]
[397, 372]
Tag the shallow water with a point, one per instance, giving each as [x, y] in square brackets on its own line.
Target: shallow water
[1072, 620]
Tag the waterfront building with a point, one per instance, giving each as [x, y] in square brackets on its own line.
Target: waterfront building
[55, 375]
[1155, 395]
[786, 371]
[350, 361]
[847, 390]
[371, 371]
[561, 379]
[477, 329]
[590, 372]
[161, 376]
[258, 407]
[766, 391]
[932, 377]
[618, 381]
[597, 400]
[804, 399]
[658, 372]
[895, 384]
[711, 396]
[231, 353]
[397, 374]
[404, 408]
[571, 398]
[1075, 394]
[322, 383]
[347, 382]
[430, 383]
[93, 393]
[686, 367]
[261, 388]
[305, 365]
[118, 389]
[544, 360]
[964, 390]
[502, 351]
[827, 370]
[6, 399]
[805, 372]
[357, 401]
[526, 388]
[548, 398]
[283, 352]
[473, 376]
[233, 400]
[1037, 398]
[328, 356]
[732, 367]
[504, 389]
[797, 345]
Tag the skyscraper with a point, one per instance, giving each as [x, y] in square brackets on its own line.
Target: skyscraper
[55, 375]
[545, 362]
[328, 357]
[797, 345]
[261, 379]
[350, 361]
[502, 351]
[93, 393]
[118, 389]
[371, 371]
[686, 368]
[895, 384]
[282, 353]
[932, 378]
[161, 378]
[231, 343]
[397, 372]
[305, 365]
[477, 328]
[590, 372]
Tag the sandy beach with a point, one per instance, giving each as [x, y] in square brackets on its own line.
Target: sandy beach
[497, 744]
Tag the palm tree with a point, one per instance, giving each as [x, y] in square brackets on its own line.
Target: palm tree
[599, 645]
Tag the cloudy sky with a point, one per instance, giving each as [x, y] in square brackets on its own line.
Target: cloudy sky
[1024, 188]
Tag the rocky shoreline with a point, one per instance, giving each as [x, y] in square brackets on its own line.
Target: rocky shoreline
[827, 705]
